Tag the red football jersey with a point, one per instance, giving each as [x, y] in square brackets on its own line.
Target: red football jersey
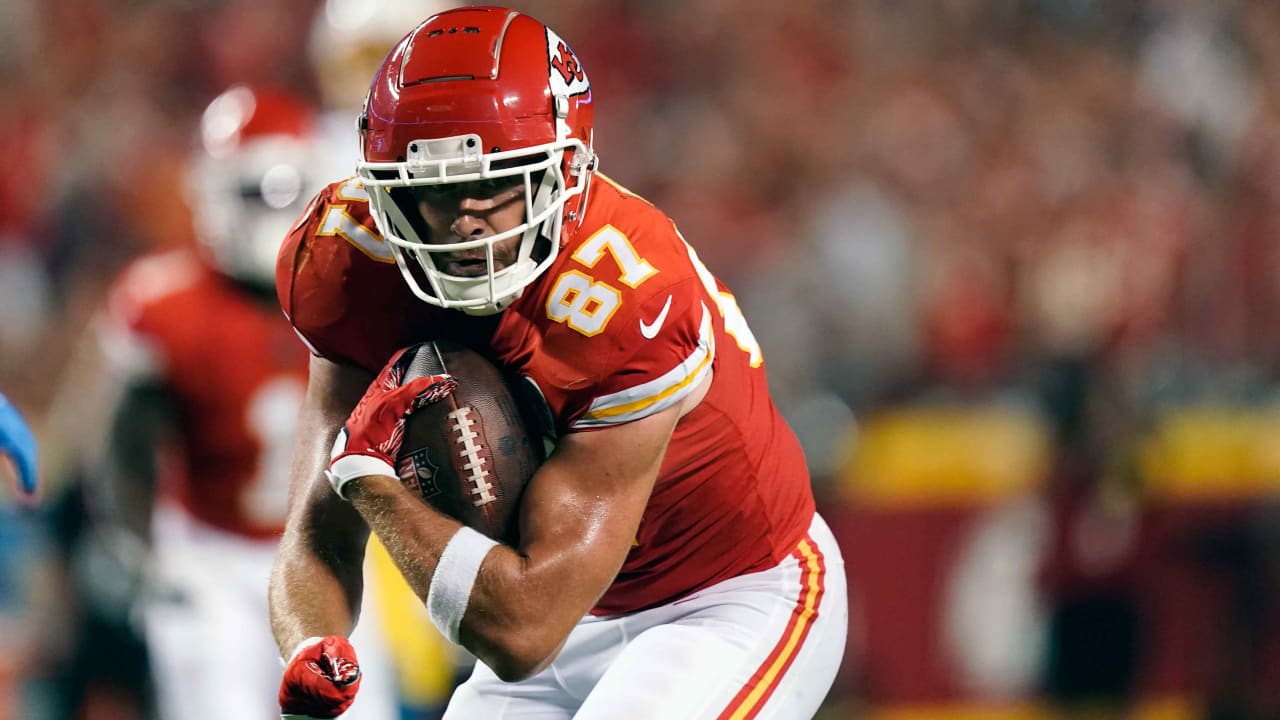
[624, 324]
[236, 375]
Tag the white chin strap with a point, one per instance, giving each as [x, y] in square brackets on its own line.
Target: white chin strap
[477, 288]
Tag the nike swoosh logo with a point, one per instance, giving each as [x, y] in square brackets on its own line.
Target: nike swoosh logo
[650, 330]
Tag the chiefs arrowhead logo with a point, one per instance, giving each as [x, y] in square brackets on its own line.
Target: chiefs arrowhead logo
[566, 74]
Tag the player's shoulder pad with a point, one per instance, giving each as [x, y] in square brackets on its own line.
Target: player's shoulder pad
[629, 279]
[332, 264]
[147, 312]
[340, 214]
[651, 334]
[147, 282]
[335, 230]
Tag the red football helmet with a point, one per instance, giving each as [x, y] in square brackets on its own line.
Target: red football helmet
[470, 95]
[249, 181]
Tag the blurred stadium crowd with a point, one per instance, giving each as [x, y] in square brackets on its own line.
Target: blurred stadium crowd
[1014, 264]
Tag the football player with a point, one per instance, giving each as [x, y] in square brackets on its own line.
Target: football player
[211, 381]
[348, 40]
[670, 562]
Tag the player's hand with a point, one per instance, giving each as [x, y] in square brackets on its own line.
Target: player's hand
[320, 680]
[19, 445]
[370, 440]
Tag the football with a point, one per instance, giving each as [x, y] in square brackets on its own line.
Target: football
[471, 454]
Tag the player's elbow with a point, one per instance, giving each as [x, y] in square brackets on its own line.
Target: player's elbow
[514, 669]
[518, 656]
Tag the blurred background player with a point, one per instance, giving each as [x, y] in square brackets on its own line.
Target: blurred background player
[210, 380]
[349, 39]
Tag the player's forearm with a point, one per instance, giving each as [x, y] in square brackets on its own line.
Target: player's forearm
[413, 533]
[317, 581]
[523, 608]
[139, 425]
[307, 600]
[519, 612]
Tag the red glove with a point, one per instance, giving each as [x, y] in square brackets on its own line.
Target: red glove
[370, 440]
[320, 680]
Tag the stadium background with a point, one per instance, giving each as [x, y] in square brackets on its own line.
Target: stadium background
[1014, 264]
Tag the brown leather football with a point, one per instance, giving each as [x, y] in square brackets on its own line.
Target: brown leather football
[469, 455]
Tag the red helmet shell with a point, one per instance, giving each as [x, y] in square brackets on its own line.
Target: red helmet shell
[490, 71]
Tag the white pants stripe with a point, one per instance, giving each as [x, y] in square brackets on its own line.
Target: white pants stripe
[756, 693]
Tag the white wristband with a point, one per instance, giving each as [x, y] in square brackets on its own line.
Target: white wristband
[455, 575]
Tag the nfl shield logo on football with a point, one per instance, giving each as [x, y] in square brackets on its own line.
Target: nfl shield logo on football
[418, 474]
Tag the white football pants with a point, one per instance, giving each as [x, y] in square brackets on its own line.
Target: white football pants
[212, 652]
[764, 645]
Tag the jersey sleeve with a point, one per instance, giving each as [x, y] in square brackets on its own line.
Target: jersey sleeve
[298, 285]
[656, 342]
[666, 348]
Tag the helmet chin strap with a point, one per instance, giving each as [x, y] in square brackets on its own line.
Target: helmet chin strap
[478, 288]
[583, 167]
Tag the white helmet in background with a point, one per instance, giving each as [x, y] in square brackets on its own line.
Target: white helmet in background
[349, 39]
[250, 179]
